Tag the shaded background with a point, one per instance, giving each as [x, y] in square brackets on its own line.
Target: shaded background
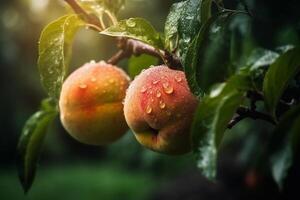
[125, 170]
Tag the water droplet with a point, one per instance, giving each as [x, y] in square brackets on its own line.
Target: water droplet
[93, 79]
[155, 82]
[168, 88]
[178, 78]
[82, 86]
[158, 94]
[169, 113]
[144, 89]
[111, 81]
[152, 100]
[148, 110]
[162, 104]
[130, 23]
[92, 61]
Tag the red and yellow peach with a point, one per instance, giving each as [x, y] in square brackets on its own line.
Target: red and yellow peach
[159, 108]
[90, 103]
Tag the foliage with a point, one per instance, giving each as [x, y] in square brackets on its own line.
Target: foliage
[219, 73]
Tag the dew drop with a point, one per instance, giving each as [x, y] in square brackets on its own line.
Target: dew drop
[148, 110]
[169, 113]
[178, 79]
[93, 79]
[82, 86]
[155, 82]
[144, 89]
[162, 104]
[158, 94]
[152, 100]
[168, 88]
[111, 81]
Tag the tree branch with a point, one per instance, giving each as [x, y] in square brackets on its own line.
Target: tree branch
[130, 47]
[243, 113]
[91, 19]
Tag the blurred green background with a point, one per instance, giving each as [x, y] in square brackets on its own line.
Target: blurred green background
[124, 170]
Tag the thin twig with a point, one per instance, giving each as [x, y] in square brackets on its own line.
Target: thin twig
[91, 19]
[130, 47]
[243, 113]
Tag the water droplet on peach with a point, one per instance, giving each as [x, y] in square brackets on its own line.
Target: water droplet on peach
[93, 79]
[178, 79]
[169, 113]
[162, 104]
[158, 94]
[168, 88]
[155, 82]
[144, 89]
[148, 110]
[82, 86]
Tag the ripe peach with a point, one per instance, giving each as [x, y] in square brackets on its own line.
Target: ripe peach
[91, 108]
[159, 109]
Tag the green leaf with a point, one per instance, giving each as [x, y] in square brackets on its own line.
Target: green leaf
[212, 116]
[189, 24]
[171, 26]
[183, 23]
[283, 144]
[135, 28]
[55, 52]
[31, 141]
[261, 58]
[208, 56]
[278, 76]
[137, 63]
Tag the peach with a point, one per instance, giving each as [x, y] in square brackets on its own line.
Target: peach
[90, 103]
[159, 108]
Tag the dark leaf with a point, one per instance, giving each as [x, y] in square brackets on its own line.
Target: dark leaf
[278, 76]
[208, 57]
[212, 116]
[183, 23]
[55, 52]
[283, 145]
[31, 140]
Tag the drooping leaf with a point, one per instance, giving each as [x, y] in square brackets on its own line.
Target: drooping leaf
[55, 52]
[137, 63]
[212, 116]
[31, 140]
[208, 56]
[278, 76]
[135, 28]
[283, 145]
